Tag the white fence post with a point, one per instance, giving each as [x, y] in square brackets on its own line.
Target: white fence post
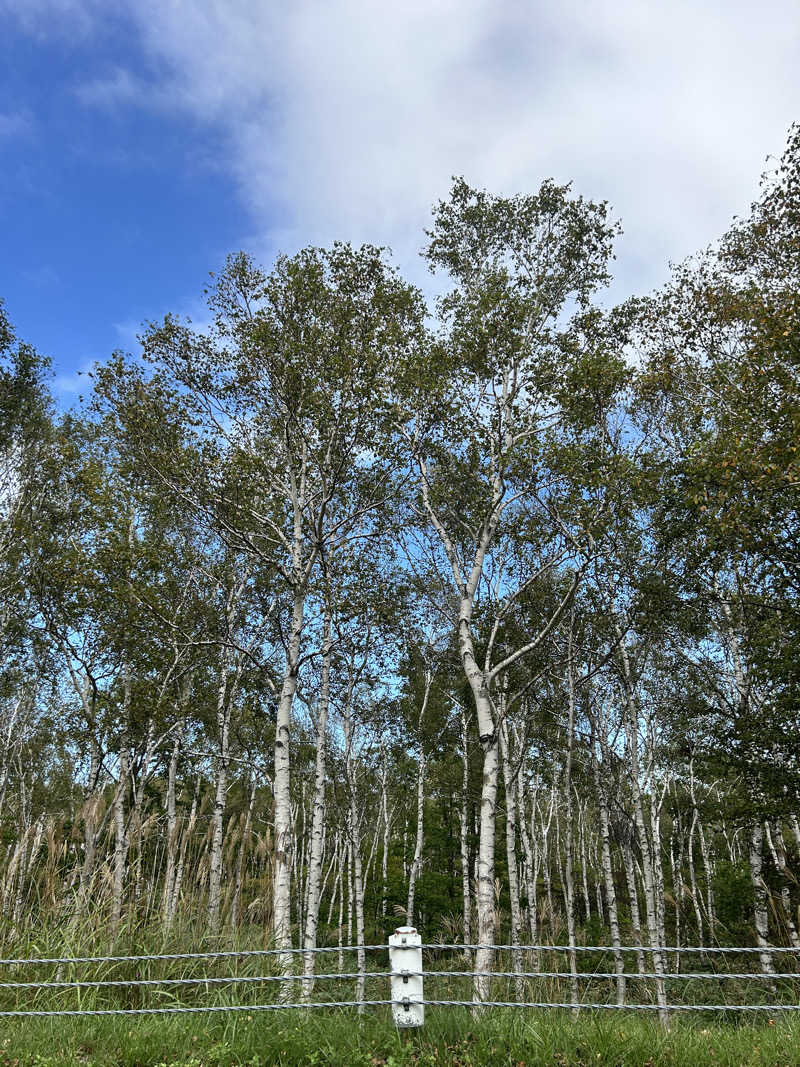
[405, 962]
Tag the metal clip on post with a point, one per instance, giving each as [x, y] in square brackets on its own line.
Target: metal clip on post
[405, 961]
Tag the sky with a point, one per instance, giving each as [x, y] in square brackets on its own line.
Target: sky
[141, 141]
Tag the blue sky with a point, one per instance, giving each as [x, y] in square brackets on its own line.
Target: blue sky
[110, 215]
[142, 141]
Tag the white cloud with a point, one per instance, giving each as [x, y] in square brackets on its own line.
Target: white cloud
[15, 124]
[113, 90]
[47, 18]
[346, 118]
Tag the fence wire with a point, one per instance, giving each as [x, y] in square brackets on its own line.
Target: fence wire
[213, 954]
[432, 946]
[361, 1003]
[767, 950]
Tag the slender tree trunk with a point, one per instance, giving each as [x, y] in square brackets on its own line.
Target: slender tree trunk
[91, 803]
[795, 825]
[172, 823]
[486, 844]
[584, 862]
[693, 881]
[530, 867]
[650, 863]
[137, 815]
[569, 888]
[318, 816]
[416, 862]
[511, 858]
[345, 859]
[336, 864]
[760, 913]
[548, 881]
[358, 893]
[709, 902]
[658, 870]
[677, 882]
[633, 898]
[608, 879]
[282, 901]
[349, 881]
[463, 837]
[220, 795]
[385, 853]
[120, 794]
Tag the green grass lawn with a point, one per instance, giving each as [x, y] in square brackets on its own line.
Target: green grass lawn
[450, 1036]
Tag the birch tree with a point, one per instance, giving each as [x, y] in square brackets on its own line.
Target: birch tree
[478, 432]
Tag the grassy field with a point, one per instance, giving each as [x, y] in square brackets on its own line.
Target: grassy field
[449, 1037]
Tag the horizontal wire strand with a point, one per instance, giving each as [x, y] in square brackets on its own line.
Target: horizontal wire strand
[475, 1004]
[583, 975]
[227, 953]
[104, 983]
[610, 948]
[243, 953]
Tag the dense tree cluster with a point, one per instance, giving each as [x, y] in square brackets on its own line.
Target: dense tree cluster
[343, 608]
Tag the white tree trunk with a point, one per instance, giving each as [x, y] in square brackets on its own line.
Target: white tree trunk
[416, 862]
[463, 836]
[318, 816]
[693, 881]
[172, 825]
[649, 861]
[530, 866]
[760, 914]
[569, 888]
[121, 841]
[220, 795]
[284, 829]
[633, 900]
[608, 880]
[511, 858]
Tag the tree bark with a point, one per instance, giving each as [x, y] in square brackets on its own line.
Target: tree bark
[760, 914]
[463, 837]
[421, 766]
[220, 794]
[172, 825]
[608, 878]
[282, 901]
[121, 842]
[318, 815]
[511, 858]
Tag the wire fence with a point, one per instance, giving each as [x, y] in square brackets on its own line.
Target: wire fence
[128, 985]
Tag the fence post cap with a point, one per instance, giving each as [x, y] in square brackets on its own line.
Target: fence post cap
[405, 937]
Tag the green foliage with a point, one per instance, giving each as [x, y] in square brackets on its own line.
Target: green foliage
[733, 894]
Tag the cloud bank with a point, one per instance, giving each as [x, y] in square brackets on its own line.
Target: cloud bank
[346, 118]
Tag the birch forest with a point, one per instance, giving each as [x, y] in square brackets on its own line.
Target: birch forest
[352, 607]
